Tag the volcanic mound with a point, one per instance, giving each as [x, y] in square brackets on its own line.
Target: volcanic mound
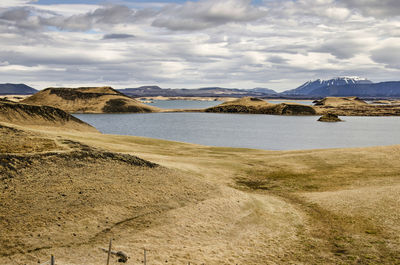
[258, 106]
[89, 100]
[31, 115]
[340, 101]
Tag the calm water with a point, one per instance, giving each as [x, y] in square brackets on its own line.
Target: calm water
[252, 131]
[183, 104]
[197, 104]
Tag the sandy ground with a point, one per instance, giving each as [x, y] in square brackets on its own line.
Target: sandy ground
[203, 205]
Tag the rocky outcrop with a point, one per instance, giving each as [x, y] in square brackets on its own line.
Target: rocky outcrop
[329, 117]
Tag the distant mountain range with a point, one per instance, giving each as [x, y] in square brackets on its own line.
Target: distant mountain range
[374, 90]
[340, 87]
[345, 87]
[16, 89]
[153, 91]
[309, 87]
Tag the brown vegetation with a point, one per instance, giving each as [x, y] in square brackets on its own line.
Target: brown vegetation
[24, 114]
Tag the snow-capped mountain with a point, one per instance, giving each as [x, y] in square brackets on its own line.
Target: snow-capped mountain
[308, 87]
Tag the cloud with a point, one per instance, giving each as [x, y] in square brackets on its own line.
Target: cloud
[35, 18]
[388, 54]
[376, 8]
[13, 3]
[15, 14]
[344, 47]
[206, 14]
[233, 43]
[109, 15]
[277, 59]
[118, 36]
[20, 19]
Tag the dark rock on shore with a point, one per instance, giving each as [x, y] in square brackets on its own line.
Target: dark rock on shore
[329, 117]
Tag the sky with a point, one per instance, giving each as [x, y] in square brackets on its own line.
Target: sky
[277, 44]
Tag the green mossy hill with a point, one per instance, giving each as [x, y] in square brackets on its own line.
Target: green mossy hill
[89, 100]
[251, 105]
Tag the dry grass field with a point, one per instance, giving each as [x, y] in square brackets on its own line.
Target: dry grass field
[67, 192]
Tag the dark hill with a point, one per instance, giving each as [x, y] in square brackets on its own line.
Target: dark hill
[154, 91]
[16, 89]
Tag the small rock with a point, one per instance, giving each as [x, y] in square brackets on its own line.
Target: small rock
[329, 117]
[122, 257]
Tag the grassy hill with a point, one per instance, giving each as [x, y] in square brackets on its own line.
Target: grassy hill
[40, 116]
[251, 105]
[88, 100]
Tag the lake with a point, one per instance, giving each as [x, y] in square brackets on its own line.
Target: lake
[183, 104]
[251, 131]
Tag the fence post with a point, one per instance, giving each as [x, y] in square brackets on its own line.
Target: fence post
[52, 260]
[109, 252]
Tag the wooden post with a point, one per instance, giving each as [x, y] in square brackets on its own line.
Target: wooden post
[109, 252]
[52, 261]
[144, 258]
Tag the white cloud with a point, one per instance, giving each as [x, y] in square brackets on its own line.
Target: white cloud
[206, 14]
[227, 43]
[377, 8]
[13, 3]
[388, 53]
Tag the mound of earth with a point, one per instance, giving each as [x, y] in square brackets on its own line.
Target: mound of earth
[340, 101]
[329, 117]
[353, 106]
[89, 100]
[258, 106]
[60, 193]
[31, 115]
